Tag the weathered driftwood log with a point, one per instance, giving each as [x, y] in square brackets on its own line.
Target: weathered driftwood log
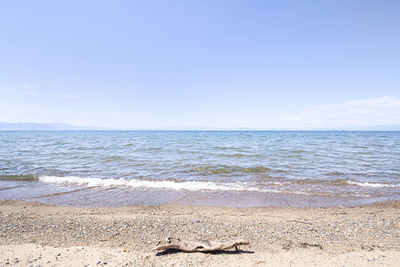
[201, 246]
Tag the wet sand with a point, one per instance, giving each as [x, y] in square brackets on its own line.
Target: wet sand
[44, 235]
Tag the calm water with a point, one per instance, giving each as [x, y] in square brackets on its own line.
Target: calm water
[201, 167]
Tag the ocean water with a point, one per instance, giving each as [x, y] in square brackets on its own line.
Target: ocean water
[224, 168]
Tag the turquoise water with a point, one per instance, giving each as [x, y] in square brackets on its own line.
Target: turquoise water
[226, 168]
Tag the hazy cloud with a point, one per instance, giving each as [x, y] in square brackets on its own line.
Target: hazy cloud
[29, 90]
[349, 115]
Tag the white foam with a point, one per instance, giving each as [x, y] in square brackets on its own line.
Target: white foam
[366, 184]
[182, 185]
[163, 184]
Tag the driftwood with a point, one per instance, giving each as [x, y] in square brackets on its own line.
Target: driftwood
[201, 246]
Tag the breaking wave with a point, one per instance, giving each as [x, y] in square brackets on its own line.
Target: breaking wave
[162, 184]
[367, 184]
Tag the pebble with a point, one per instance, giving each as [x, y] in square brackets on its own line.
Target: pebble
[142, 231]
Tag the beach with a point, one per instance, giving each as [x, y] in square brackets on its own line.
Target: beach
[37, 234]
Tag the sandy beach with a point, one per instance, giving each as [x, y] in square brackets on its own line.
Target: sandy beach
[35, 234]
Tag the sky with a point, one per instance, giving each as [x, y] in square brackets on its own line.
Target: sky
[201, 64]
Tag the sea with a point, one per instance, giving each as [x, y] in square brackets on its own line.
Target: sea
[212, 168]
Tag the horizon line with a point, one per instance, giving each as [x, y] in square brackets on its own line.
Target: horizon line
[194, 130]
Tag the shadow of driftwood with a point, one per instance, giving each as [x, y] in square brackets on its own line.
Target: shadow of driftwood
[217, 252]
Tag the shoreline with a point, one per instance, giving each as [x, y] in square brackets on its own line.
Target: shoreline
[102, 196]
[285, 236]
[41, 200]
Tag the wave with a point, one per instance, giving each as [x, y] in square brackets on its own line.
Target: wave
[340, 182]
[184, 185]
[162, 184]
[368, 184]
[195, 185]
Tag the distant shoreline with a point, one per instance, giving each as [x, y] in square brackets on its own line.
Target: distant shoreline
[161, 130]
[31, 126]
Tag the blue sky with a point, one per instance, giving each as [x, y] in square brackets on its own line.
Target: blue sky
[201, 64]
